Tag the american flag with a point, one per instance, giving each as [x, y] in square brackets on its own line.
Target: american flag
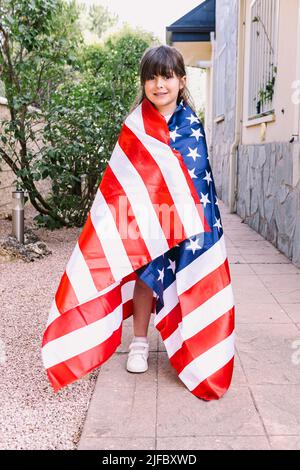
[153, 165]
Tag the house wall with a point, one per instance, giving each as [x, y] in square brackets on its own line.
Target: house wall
[194, 51]
[223, 131]
[268, 164]
[280, 129]
[266, 198]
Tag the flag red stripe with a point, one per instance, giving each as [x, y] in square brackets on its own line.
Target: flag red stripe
[154, 123]
[204, 289]
[193, 297]
[170, 322]
[72, 369]
[202, 341]
[83, 315]
[160, 131]
[160, 193]
[133, 237]
[65, 296]
[89, 243]
[216, 384]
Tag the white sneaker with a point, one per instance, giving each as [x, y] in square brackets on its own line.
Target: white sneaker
[137, 360]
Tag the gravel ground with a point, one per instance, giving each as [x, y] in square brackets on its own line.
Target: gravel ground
[32, 416]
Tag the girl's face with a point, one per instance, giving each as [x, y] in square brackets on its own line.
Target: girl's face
[163, 92]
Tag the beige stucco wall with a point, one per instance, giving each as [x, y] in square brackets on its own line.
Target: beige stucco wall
[281, 129]
[194, 51]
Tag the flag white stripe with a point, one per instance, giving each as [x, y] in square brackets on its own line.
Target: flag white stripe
[107, 232]
[142, 207]
[201, 266]
[167, 161]
[53, 314]
[82, 339]
[207, 313]
[199, 319]
[79, 276]
[127, 291]
[208, 363]
[192, 273]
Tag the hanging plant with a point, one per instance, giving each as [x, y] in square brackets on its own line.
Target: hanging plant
[265, 94]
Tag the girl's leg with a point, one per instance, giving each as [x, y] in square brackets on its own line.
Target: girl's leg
[142, 303]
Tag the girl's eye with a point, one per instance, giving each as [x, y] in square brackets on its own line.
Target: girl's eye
[163, 76]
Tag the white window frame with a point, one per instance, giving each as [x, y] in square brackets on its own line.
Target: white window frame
[220, 83]
[258, 66]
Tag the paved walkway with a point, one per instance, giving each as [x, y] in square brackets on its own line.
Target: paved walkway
[261, 410]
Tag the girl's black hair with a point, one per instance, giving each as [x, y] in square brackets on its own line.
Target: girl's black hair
[162, 60]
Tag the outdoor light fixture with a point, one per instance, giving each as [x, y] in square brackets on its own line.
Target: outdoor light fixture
[18, 215]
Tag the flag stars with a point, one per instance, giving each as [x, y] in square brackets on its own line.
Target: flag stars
[204, 199]
[192, 173]
[217, 201]
[182, 103]
[174, 134]
[172, 265]
[207, 177]
[193, 153]
[161, 275]
[193, 245]
[196, 133]
[217, 224]
[192, 119]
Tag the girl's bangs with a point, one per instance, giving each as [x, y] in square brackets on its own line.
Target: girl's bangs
[158, 65]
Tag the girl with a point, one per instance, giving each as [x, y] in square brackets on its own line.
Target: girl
[161, 160]
[163, 83]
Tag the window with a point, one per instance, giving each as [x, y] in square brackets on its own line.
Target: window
[220, 82]
[262, 64]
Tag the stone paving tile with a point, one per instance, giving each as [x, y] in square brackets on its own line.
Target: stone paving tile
[117, 412]
[250, 289]
[279, 408]
[213, 443]
[235, 236]
[266, 353]
[241, 270]
[166, 374]
[235, 258]
[118, 443]
[256, 248]
[113, 373]
[180, 412]
[285, 289]
[273, 268]
[241, 243]
[292, 310]
[261, 313]
[285, 442]
[274, 258]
